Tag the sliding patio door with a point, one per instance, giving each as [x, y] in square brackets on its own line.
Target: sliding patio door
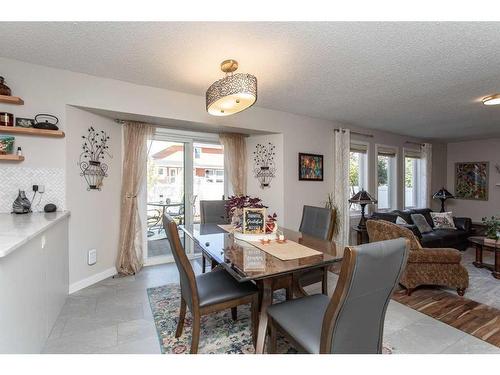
[183, 168]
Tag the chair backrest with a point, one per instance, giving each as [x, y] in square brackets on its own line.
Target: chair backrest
[317, 222]
[354, 320]
[189, 289]
[213, 212]
[381, 230]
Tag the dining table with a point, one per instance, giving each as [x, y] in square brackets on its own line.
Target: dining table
[251, 261]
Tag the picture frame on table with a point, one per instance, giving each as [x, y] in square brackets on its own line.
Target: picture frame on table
[25, 122]
[311, 167]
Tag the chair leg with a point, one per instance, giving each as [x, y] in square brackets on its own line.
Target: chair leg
[195, 339]
[272, 337]
[409, 291]
[182, 315]
[255, 319]
[324, 282]
[234, 313]
[461, 291]
[289, 292]
[203, 264]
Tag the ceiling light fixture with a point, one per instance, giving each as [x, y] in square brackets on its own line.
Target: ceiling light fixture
[233, 93]
[492, 100]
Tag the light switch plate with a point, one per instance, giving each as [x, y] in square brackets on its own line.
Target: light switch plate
[92, 257]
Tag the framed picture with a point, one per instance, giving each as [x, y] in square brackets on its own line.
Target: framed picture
[254, 220]
[310, 167]
[471, 180]
[25, 122]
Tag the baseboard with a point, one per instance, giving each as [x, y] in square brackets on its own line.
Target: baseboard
[92, 280]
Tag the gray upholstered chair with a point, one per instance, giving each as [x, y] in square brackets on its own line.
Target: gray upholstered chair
[352, 321]
[212, 212]
[207, 293]
[317, 222]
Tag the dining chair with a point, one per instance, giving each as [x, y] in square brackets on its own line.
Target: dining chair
[352, 320]
[207, 293]
[212, 212]
[316, 222]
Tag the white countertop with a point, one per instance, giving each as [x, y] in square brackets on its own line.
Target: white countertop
[16, 230]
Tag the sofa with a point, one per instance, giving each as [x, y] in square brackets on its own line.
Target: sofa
[437, 266]
[438, 238]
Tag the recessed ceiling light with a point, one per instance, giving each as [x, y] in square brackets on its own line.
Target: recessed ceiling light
[492, 100]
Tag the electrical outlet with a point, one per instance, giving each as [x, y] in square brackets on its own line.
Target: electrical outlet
[92, 257]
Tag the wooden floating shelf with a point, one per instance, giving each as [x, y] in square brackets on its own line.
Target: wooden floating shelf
[32, 131]
[11, 157]
[11, 100]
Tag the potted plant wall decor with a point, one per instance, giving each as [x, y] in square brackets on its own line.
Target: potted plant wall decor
[492, 232]
[91, 163]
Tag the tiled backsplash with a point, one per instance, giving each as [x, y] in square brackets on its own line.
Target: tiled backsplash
[13, 179]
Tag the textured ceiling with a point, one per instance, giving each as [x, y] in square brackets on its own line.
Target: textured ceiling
[418, 79]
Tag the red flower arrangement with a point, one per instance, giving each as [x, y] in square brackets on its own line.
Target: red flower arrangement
[236, 204]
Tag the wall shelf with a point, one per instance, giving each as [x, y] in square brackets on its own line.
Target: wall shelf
[11, 100]
[32, 131]
[11, 157]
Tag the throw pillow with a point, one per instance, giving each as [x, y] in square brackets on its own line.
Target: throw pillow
[422, 224]
[443, 220]
[400, 220]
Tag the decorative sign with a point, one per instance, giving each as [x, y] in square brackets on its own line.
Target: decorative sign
[254, 260]
[254, 220]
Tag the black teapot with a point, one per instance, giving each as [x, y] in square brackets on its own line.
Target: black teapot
[46, 122]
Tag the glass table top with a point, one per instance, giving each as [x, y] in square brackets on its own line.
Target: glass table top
[247, 262]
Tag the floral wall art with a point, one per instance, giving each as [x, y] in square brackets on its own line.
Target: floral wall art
[264, 167]
[91, 163]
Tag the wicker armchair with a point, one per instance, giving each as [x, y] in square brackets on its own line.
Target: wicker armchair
[425, 266]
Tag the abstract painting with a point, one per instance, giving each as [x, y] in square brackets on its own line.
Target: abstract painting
[471, 180]
[310, 167]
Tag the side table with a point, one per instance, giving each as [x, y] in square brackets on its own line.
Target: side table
[361, 235]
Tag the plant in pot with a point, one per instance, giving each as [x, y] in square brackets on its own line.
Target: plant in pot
[271, 223]
[236, 204]
[492, 231]
[335, 213]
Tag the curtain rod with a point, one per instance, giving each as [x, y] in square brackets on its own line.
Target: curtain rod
[357, 133]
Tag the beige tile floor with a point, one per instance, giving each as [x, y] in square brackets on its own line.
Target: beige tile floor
[114, 316]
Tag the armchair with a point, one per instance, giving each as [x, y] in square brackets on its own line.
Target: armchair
[425, 266]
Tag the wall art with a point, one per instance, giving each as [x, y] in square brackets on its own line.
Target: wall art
[95, 148]
[264, 167]
[471, 180]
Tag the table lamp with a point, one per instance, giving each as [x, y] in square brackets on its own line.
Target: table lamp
[443, 195]
[362, 198]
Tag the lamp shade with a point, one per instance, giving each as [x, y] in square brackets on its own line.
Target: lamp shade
[233, 93]
[362, 197]
[442, 194]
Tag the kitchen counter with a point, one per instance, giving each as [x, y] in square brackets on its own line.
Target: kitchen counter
[17, 230]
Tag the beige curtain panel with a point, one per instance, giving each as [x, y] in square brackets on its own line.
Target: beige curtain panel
[235, 161]
[130, 259]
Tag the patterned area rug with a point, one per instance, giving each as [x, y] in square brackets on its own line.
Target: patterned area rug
[219, 333]
[469, 316]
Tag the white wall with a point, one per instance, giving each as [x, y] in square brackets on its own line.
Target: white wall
[272, 196]
[52, 90]
[94, 214]
[485, 150]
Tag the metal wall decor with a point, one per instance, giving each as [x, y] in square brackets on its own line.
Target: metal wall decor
[92, 167]
[264, 167]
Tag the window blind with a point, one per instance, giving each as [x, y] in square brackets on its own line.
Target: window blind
[359, 148]
[387, 151]
[413, 154]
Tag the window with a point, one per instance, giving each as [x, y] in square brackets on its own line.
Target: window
[358, 171]
[412, 180]
[386, 177]
[197, 152]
